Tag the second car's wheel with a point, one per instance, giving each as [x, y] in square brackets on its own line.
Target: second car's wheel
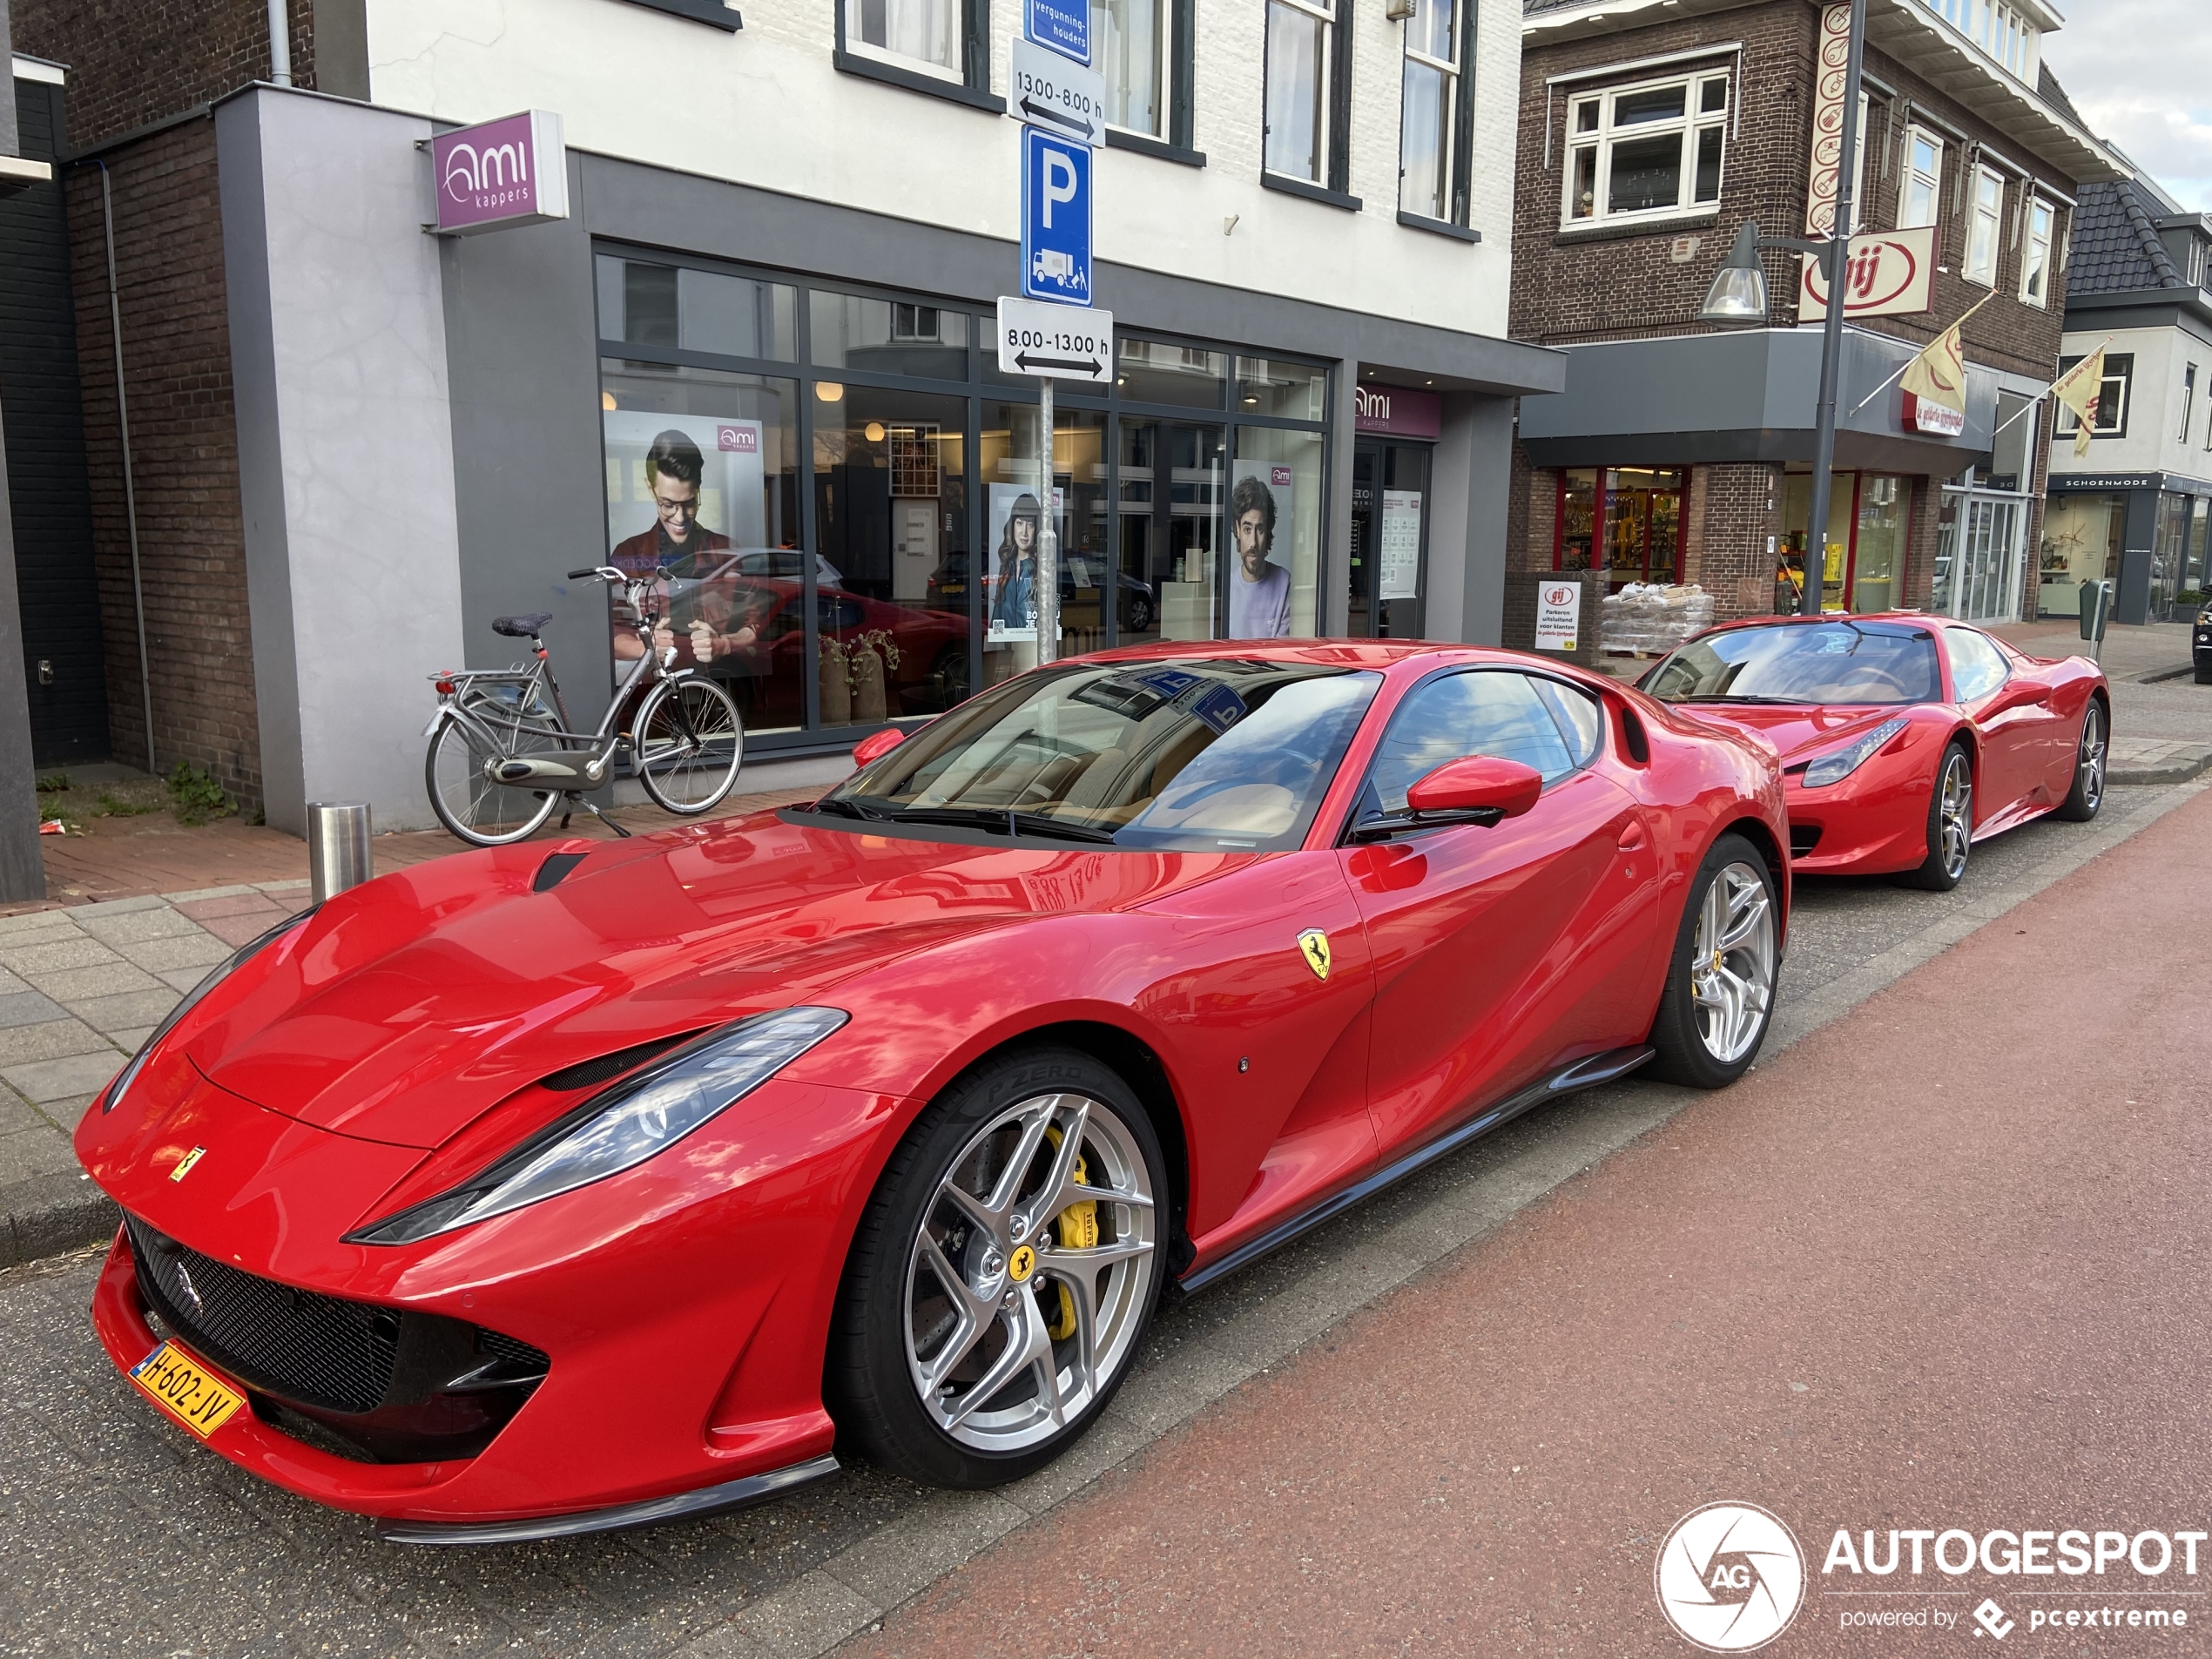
[1140, 615]
[1950, 824]
[2088, 792]
[1719, 994]
[1003, 1274]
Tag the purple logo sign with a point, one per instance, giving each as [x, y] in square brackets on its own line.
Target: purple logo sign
[1400, 411]
[513, 171]
[738, 440]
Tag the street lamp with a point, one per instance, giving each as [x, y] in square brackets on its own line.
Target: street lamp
[1738, 295]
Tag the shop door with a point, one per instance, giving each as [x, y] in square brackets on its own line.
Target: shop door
[1390, 491]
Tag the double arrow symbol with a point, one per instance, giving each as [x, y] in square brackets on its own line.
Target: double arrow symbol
[1089, 365]
[1045, 112]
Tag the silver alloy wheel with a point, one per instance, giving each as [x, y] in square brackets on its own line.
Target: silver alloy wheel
[1012, 1330]
[1731, 974]
[2091, 757]
[1955, 814]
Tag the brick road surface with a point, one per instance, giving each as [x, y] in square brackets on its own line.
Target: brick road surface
[123, 1536]
[1940, 1265]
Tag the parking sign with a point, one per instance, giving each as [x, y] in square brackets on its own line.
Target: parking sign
[1064, 25]
[1056, 219]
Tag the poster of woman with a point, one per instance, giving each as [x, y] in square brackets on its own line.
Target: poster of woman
[1259, 589]
[1011, 577]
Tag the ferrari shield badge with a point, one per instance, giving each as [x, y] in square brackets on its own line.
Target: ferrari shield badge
[1313, 945]
[184, 1163]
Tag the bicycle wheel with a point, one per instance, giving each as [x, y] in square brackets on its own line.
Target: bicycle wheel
[689, 744]
[468, 801]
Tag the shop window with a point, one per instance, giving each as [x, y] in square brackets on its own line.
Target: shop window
[1920, 200]
[884, 337]
[1015, 500]
[1272, 588]
[1651, 149]
[1308, 86]
[2114, 393]
[1633, 530]
[702, 475]
[1434, 125]
[646, 304]
[1878, 547]
[1153, 371]
[1172, 486]
[1984, 227]
[1289, 391]
[1577, 524]
[2080, 543]
[2035, 263]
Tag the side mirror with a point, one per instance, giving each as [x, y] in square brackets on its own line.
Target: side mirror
[870, 750]
[1477, 784]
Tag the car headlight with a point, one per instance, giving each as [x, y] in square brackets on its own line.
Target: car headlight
[222, 971]
[1834, 768]
[620, 1127]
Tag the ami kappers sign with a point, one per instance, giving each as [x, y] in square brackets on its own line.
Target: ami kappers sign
[513, 170]
[1890, 274]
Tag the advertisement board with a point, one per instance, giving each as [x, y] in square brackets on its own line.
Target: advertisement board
[1259, 581]
[1559, 615]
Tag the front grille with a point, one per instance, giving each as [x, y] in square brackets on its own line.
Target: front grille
[318, 1350]
[1803, 839]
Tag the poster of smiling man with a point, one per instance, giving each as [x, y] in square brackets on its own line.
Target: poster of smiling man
[683, 492]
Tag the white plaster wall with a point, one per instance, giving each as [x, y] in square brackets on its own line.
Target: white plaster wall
[766, 107]
[2154, 443]
[339, 340]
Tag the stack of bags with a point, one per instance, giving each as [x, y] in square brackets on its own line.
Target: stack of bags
[1652, 616]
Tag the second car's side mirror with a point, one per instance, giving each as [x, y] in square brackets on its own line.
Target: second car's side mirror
[1477, 783]
[870, 750]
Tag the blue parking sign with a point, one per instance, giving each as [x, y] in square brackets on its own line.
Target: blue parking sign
[1056, 219]
[1064, 25]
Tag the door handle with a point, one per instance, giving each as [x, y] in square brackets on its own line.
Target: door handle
[1632, 838]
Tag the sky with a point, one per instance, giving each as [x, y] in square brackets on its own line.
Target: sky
[2141, 73]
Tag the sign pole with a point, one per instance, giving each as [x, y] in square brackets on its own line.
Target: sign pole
[1048, 577]
[1831, 329]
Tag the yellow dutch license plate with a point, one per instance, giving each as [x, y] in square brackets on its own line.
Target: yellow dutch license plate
[197, 1397]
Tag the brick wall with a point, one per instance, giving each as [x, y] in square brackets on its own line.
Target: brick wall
[133, 62]
[1742, 509]
[183, 451]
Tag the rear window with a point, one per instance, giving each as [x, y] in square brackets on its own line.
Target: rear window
[1825, 662]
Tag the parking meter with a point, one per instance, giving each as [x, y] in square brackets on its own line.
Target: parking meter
[2096, 611]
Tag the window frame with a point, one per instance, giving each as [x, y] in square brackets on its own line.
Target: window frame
[1458, 118]
[2119, 367]
[1601, 141]
[2037, 252]
[1950, 667]
[1911, 175]
[1977, 219]
[2189, 399]
[971, 85]
[1334, 100]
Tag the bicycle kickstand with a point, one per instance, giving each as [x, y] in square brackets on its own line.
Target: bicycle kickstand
[590, 807]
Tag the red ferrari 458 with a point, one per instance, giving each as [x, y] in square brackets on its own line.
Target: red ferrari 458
[1905, 739]
[574, 1185]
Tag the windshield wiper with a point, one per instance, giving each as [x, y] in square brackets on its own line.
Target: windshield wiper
[843, 808]
[1002, 820]
[1741, 696]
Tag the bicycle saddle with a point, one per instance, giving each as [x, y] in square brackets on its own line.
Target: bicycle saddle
[522, 627]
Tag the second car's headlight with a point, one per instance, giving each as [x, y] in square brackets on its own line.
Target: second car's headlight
[1834, 768]
[623, 1126]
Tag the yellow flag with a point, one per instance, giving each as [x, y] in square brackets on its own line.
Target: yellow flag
[2079, 389]
[1938, 373]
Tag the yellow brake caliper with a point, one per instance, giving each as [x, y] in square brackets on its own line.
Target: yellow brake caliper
[1077, 1229]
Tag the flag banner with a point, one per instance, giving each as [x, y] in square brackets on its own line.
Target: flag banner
[1938, 375]
[2079, 389]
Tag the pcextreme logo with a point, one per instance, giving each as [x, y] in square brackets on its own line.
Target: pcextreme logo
[1730, 1577]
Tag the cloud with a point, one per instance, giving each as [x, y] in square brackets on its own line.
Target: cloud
[2155, 101]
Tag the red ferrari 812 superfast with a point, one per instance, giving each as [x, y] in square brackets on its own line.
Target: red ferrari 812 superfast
[1905, 739]
[580, 1184]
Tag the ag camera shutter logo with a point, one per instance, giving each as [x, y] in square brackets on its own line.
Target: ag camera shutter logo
[1730, 1577]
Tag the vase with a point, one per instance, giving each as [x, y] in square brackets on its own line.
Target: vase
[836, 687]
[867, 684]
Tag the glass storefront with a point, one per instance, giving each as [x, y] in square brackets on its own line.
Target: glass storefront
[1633, 531]
[1979, 557]
[842, 494]
[2081, 535]
[1862, 565]
[2169, 554]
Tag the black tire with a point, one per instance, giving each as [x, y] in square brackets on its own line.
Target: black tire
[1686, 1055]
[688, 744]
[869, 1380]
[2087, 793]
[2204, 673]
[472, 809]
[1948, 852]
[1140, 615]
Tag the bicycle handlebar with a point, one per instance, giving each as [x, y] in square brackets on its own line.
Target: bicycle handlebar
[578, 576]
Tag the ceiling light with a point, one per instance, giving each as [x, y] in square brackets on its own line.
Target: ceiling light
[829, 391]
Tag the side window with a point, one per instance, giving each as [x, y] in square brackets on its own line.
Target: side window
[1581, 721]
[1486, 712]
[1977, 666]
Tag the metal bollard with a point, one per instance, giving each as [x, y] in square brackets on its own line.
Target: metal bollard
[337, 846]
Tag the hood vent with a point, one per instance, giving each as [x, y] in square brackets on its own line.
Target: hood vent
[554, 870]
[587, 1073]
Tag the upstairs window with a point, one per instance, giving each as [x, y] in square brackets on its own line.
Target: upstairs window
[2189, 397]
[2113, 395]
[1920, 200]
[922, 35]
[2035, 263]
[1645, 150]
[1431, 166]
[1129, 43]
[1302, 71]
[1984, 227]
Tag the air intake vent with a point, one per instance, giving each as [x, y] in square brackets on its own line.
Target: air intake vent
[554, 870]
[586, 1072]
[1803, 839]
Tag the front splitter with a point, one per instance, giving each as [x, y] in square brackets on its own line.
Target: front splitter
[682, 1506]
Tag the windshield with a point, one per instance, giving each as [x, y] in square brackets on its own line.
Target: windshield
[1822, 661]
[1205, 755]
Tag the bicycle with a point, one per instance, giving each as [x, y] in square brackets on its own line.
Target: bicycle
[503, 753]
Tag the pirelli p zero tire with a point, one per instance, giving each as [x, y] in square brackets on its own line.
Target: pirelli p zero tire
[2088, 790]
[1950, 824]
[1719, 994]
[1003, 1273]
